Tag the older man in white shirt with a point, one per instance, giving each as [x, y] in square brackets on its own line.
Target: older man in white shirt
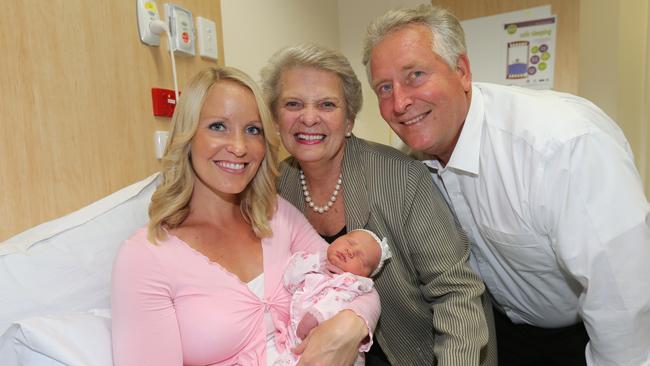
[544, 184]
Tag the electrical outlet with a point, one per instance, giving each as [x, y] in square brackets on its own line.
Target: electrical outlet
[160, 142]
[147, 12]
[207, 37]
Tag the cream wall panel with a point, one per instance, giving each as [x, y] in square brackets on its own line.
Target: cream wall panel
[76, 121]
[644, 149]
[255, 29]
[598, 55]
[632, 71]
[613, 68]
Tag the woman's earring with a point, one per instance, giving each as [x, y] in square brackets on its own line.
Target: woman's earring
[348, 134]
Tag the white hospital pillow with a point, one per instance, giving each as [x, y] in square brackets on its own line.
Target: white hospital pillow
[65, 265]
[73, 339]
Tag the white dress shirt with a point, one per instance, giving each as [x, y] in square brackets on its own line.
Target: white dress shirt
[545, 185]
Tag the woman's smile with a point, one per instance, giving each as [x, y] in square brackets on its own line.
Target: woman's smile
[309, 138]
[231, 167]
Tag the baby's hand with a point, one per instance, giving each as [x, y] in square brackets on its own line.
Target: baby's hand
[307, 323]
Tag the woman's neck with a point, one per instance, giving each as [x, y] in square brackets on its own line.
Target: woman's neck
[323, 170]
[209, 206]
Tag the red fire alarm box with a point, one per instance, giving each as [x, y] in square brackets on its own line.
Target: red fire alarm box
[164, 102]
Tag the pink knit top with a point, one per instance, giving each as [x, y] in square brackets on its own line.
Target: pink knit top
[173, 306]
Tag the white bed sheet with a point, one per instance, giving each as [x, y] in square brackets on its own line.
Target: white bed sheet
[60, 271]
[72, 339]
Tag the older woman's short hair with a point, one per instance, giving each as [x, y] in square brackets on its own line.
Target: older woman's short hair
[318, 57]
[446, 32]
[170, 202]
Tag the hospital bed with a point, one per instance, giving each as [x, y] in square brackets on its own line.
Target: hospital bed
[55, 282]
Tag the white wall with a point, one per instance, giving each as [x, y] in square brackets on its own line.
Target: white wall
[632, 116]
[599, 32]
[614, 67]
[254, 29]
[644, 151]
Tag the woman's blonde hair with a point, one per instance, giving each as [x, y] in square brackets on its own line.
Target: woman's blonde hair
[318, 57]
[170, 202]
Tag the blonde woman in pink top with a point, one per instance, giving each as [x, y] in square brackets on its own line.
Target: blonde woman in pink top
[202, 283]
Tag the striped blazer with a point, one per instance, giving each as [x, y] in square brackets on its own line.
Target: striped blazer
[430, 298]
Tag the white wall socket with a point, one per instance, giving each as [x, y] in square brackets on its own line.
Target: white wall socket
[147, 12]
[160, 142]
[207, 37]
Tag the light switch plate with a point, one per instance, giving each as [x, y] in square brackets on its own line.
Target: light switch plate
[207, 38]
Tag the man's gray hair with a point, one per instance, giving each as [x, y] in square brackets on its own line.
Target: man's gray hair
[446, 33]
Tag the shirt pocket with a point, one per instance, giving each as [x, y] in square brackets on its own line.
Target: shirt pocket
[522, 252]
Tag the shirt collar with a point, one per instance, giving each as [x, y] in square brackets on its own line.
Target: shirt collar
[465, 156]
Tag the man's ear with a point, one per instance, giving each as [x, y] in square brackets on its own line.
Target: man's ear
[464, 72]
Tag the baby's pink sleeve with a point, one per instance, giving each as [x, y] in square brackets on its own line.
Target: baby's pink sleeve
[368, 308]
[144, 326]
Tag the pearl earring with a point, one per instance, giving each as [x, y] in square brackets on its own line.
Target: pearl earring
[348, 134]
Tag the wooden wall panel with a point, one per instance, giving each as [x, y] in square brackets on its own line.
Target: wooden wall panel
[75, 112]
[568, 13]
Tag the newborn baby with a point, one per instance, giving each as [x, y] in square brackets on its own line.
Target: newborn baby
[324, 283]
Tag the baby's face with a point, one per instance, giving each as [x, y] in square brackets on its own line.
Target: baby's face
[356, 252]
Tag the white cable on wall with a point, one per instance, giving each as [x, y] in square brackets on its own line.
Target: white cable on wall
[171, 53]
[157, 27]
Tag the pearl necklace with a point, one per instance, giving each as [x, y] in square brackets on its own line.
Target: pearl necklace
[330, 203]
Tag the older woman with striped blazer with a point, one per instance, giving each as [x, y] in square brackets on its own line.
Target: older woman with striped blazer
[431, 300]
